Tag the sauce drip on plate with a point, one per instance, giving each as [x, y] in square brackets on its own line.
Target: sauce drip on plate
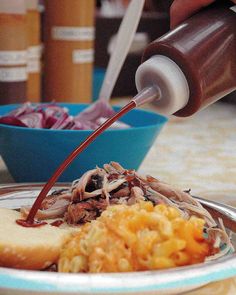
[35, 223]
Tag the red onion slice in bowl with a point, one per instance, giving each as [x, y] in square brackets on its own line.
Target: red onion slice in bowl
[53, 116]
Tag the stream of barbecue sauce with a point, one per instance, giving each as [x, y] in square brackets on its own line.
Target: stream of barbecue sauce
[30, 220]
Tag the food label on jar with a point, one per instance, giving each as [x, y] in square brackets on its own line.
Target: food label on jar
[233, 8]
[33, 66]
[14, 57]
[34, 51]
[16, 74]
[73, 33]
[80, 56]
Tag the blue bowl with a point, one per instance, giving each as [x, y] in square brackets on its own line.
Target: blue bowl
[32, 155]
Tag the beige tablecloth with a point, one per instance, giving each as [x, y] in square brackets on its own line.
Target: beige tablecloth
[198, 153]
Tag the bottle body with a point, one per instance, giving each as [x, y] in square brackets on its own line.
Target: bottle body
[204, 48]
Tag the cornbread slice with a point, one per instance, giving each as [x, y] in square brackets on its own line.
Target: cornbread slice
[32, 248]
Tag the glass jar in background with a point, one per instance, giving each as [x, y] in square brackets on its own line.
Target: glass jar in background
[34, 51]
[68, 50]
[13, 51]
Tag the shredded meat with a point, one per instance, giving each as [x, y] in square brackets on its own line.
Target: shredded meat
[90, 195]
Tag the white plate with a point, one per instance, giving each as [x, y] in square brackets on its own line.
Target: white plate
[172, 281]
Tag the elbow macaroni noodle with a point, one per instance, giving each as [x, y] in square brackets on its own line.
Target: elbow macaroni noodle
[134, 238]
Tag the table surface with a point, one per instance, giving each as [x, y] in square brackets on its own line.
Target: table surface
[199, 153]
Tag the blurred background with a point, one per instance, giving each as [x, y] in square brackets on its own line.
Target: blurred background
[58, 50]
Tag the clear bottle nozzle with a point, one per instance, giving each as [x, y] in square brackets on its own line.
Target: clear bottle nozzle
[146, 95]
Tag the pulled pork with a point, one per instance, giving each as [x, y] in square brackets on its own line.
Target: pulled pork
[90, 195]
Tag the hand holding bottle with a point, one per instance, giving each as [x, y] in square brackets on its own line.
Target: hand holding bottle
[182, 9]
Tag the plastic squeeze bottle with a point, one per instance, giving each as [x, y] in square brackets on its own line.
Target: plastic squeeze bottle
[193, 65]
